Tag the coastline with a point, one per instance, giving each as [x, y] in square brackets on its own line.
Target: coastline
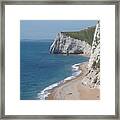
[84, 85]
[43, 95]
[74, 89]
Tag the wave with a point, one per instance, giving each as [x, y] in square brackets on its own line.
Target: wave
[44, 93]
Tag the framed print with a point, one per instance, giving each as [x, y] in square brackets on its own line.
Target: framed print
[59, 59]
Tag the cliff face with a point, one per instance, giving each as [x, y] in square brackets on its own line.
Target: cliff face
[92, 78]
[65, 44]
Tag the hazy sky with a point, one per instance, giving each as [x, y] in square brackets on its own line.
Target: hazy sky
[48, 29]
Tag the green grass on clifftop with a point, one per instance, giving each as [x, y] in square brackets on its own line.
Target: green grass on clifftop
[84, 35]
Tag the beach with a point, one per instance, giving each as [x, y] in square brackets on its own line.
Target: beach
[74, 89]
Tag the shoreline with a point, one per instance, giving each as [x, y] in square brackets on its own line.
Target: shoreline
[71, 88]
[43, 95]
[84, 86]
[74, 89]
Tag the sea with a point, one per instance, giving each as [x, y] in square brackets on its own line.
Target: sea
[41, 71]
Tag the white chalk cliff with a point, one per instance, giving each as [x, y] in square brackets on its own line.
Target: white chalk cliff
[64, 44]
[92, 78]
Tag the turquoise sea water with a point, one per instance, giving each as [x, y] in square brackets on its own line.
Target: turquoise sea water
[40, 69]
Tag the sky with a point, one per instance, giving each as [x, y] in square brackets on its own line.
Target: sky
[48, 29]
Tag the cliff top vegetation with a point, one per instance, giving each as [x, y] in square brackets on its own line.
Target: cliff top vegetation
[84, 35]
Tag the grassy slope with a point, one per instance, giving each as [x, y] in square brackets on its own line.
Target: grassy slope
[84, 35]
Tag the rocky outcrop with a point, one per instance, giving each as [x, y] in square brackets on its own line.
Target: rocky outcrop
[92, 78]
[65, 44]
